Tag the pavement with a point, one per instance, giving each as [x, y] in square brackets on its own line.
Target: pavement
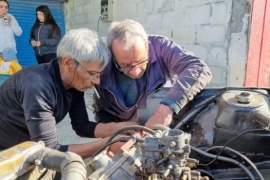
[66, 135]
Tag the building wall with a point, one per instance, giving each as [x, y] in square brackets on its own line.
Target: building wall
[215, 30]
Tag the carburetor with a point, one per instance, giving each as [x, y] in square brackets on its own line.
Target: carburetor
[163, 155]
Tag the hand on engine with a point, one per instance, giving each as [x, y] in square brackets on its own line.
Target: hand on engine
[121, 125]
[163, 115]
[116, 147]
[107, 129]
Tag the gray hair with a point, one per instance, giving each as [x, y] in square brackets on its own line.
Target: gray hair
[84, 46]
[126, 32]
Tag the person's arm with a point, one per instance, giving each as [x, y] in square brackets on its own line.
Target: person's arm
[38, 102]
[193, 75]
[15, 26]
[85, 128]
[107, 129]
[32, 40]
[86, 150]
[79, 117]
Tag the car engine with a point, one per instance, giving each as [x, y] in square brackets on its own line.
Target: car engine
[221, 134]
[162, 155]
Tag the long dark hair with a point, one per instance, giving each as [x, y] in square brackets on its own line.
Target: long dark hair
[48, 19]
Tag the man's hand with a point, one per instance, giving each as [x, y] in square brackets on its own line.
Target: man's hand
[116, 147]
[107, 129]
[163, 115]
[121, 125]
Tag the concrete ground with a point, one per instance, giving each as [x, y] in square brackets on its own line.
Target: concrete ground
[66, 135]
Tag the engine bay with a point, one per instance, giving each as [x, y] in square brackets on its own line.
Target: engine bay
[221, 134]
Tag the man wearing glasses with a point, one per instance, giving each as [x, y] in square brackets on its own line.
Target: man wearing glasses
[36, 98]
[141, 65]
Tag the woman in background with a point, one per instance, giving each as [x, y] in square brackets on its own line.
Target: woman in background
[45, 35]
[8, 27]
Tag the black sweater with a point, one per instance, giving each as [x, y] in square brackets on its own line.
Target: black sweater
[33, 101]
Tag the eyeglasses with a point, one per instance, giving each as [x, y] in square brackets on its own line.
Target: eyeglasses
[129, 68]
[93, 76]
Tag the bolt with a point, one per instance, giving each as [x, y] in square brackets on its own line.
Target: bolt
[37, 162]
[172, 144]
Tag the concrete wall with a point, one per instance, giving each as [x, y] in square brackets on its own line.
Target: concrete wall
[215, 30]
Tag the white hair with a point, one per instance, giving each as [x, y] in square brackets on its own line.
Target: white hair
[126, 32]
[83, 45]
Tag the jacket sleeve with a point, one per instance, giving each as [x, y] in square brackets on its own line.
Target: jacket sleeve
[79, 117]
[192, 72]
[15, 26]
[31, 38]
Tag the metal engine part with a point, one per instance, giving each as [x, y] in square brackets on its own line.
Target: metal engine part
[165, 155]
[32, 160]
[236, 108]
[234, 112]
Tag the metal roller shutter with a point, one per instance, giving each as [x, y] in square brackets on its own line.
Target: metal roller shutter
[25, 13]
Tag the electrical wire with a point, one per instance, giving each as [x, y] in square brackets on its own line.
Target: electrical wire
[98, 23]
[206, 173]
[226, 144]
[133, 127]
[225, 159]
[242, 156]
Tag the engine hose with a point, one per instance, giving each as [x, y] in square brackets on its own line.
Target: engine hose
[69, 164]
[204, 172]
[133, 127]
[225, 159]
[195, 111]
[160, 127]
[242, 156]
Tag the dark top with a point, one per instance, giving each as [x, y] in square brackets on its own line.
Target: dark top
[48, 38]
[33, 101]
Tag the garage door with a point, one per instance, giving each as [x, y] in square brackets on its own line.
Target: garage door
[24, 11]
